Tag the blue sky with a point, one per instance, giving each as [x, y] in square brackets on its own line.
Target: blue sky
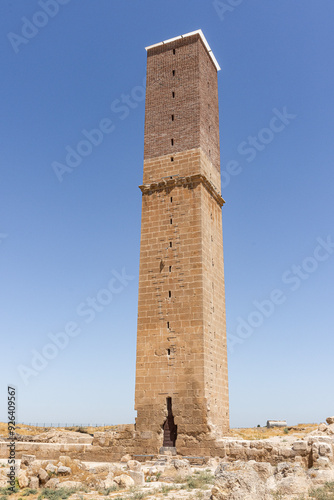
[66, 236]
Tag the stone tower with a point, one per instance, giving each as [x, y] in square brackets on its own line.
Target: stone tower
[181, 372]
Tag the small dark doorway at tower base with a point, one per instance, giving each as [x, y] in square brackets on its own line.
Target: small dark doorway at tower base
[169, 427]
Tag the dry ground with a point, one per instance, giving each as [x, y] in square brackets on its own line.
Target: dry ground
[248, 433]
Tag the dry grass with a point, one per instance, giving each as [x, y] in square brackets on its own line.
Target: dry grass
[263, 433]
[249, 433]
[30, 430]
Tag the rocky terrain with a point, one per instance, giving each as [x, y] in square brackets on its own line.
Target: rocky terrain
[286, 466]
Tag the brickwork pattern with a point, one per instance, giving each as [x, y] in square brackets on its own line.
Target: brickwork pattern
[181, 335]
[181, 100]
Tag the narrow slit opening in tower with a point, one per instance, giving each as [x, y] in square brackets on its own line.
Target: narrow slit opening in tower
[174, 51]
[170, 269]
[173, 95]
[173, 118]
[173, 72]
[169, 294]
[169, 427]
[172, 142]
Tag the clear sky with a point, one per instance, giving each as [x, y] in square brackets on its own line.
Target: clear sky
[70, 223]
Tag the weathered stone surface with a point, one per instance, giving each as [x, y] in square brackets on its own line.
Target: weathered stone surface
[126, 458]
[52, 483]
[186, 174]
[134, 465]
[23, 479]
[263, 469]
[325, 449]
[109, 481]
[64, 471]
[175, 468]
[34, 483]
[57, 436]
[291, 479]
[65, 460]
[124, 481]
[255, 481]
[300, 446]
[34, 467]
[3, 482]
[43, 476]
[238, 481]
[138, 477]
[98, 468]
[69, 484]
[27, 459]
[52, 469]
[320, 477]
[330, 420]
[323, 463]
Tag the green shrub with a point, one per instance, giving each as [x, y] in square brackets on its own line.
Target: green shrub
[107, 491]
[28, 491]
[61, 494]
[324, 493]
[166, 489]
[8, 490]
[200, 480]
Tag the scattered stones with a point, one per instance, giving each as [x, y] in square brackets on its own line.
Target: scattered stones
[52, 483]
[255, 469]
[43, 476]
[323, 463]
[65, 460]
[109, 481]
[124, 481]
[254, 481]
[3, 482]
[134, 465]
[57, 436]
[69, 485]
[52, 469]
[34, 468]
[237, 481]
[23, 479]
[64, 471]
[34, 483]
[300, 446]
[138, 477]
[27, 459]
[176, 468]
[98, 468]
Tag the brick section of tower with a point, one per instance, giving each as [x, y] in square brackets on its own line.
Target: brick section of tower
[181, 337]
[194, 105]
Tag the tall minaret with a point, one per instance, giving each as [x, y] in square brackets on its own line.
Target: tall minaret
[181, 371]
